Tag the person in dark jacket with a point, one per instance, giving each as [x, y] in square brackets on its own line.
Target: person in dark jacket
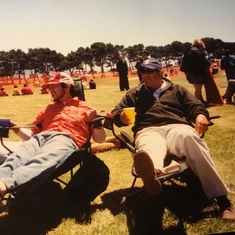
[122, 69]
[92, 84]
[137, 66]
[227, 64]
[162, 126]
[230, 92]
[195, 65]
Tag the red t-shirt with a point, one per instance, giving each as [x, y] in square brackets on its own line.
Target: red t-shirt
[26, 91]
[70, 117]
[3, 93]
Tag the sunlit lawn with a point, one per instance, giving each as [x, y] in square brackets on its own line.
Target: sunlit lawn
[178, 210]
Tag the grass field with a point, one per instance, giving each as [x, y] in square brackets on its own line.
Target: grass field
[180, 209]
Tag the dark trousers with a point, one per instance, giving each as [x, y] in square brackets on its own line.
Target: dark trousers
[123, 82]
[230, 90]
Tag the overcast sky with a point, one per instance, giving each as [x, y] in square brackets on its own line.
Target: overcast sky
[65, 25]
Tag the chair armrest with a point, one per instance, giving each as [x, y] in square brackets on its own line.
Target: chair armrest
[127, 141]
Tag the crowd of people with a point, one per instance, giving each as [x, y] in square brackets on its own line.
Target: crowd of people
[196, 64]
[26, 90]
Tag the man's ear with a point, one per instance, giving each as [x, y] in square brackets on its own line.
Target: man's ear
[66, 86]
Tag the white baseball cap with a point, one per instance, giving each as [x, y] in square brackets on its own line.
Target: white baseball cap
[59, 77]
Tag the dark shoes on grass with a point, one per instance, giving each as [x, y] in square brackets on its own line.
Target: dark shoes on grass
[228, 101]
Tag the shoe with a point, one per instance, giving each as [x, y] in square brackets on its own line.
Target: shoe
[145, 170]
[205, 103]
[228, 101]
[228, 214]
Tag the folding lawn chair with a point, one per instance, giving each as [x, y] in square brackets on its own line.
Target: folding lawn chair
[128, 141]
[89, 167]
[79, 91]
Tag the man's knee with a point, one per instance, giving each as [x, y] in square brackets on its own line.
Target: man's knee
[184, 138]
[2, 158]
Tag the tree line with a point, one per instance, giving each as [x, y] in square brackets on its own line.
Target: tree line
[44, 60]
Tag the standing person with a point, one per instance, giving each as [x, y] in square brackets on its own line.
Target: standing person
[195, 65]
[26, 90]
[227, 64]
[137, 66]
[60, 129]
[122, 69]
[230, 92]
[146, 55]
[162, 126]
[140, 59]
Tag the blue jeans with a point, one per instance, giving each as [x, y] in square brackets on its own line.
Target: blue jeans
[4, 153]
[36, 159]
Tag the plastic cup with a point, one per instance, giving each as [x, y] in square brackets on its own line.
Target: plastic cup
[4, 127]
[130, 113]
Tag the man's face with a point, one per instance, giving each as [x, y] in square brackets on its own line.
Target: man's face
[120, 57]
[145, 55]
[57, 92]
[151, 78]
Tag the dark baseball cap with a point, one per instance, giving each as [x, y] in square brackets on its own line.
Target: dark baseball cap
[153, 64]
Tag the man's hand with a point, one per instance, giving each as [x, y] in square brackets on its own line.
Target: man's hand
[201, 124]
[92, 114]
[15, 130]
[124, 119]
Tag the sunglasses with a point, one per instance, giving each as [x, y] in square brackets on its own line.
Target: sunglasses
[147, 71]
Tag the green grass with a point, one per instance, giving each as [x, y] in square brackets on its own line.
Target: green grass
[179, 209]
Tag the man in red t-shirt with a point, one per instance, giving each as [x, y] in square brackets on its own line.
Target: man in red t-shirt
[60, 129]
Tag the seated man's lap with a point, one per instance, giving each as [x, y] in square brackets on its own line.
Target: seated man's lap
[163, 140]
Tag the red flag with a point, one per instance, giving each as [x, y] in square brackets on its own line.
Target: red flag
[213, 96]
